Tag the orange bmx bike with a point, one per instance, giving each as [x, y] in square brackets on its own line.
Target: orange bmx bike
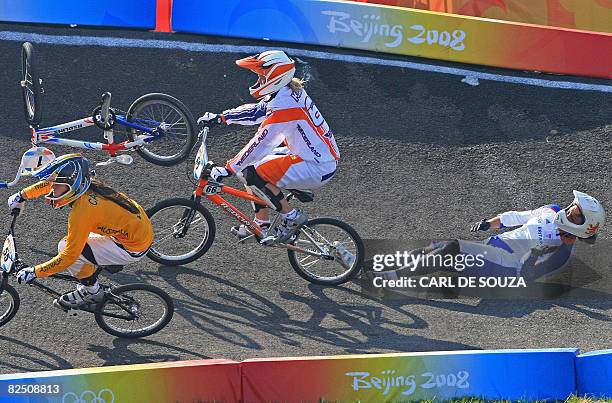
[323, 251]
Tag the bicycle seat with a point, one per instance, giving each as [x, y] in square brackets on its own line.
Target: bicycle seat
[111, 269]
[305, 196]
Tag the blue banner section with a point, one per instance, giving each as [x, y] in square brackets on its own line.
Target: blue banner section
[278, 20]
[531, 374]
[112, 13]
[594, 374]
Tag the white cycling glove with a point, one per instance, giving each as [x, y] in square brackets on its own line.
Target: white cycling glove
[209, 119]
[16, 201]
[219, 173]
[26, 275]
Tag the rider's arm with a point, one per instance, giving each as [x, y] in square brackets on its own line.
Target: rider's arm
[36, 190]
[516, 218]
[79, 227]
[267, 138]
[247, 115]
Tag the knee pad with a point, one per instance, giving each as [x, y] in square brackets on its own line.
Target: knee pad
[252, 178]
[451, 248]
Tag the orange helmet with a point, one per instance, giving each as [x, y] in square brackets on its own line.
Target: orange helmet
[274, 68]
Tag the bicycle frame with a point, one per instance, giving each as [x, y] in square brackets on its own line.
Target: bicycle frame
[49, 135]
[211, 191]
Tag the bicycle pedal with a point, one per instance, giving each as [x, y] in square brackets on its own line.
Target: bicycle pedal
[57, 304]
[268, 241]
[125, 159]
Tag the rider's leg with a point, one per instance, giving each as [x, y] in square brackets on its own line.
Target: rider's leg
[290, 172]
[88, 290]
[262, 214]
[98, 251]
[496, 261]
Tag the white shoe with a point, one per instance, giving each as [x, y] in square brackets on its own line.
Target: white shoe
[289, 227]
[347, 259]
[242, 232]
[81, 296]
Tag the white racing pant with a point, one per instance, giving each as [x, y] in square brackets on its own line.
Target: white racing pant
[100, 250]
[496, 258]
[289, 171]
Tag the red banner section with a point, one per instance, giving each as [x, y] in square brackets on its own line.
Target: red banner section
[588, 15]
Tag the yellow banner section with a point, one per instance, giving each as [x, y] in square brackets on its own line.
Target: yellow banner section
[588, 15]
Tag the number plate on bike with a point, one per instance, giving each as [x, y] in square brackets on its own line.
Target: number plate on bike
[8, 254]
[199, 162]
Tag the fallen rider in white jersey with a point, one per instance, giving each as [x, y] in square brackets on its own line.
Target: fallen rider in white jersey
[541, 243]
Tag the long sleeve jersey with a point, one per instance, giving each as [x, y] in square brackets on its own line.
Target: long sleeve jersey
[536, 230]
[290, 118]
[94, 213]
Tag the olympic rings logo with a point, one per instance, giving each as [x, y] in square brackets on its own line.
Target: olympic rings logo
[89, 396]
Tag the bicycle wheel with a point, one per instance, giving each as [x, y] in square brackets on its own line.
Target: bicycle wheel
[134, 310]
[175, 121]
[30, 86]
[175, 242]
[9, 304]
[338, 245]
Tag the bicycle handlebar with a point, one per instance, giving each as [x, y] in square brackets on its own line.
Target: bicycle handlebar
[105, 108]
[204, 134]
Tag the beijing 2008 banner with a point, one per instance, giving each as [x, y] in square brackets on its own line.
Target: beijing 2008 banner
[503, 374]
[403, 31]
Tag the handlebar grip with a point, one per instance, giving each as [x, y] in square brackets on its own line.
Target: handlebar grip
[15, 212]
[105, 107]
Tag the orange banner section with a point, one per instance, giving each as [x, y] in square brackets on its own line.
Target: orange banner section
[431, 5]
[588, 15]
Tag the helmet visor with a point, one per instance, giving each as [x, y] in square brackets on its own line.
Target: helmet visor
[59, 191]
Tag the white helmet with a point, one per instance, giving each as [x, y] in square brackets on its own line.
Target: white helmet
[274, 68]
[593, 212]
